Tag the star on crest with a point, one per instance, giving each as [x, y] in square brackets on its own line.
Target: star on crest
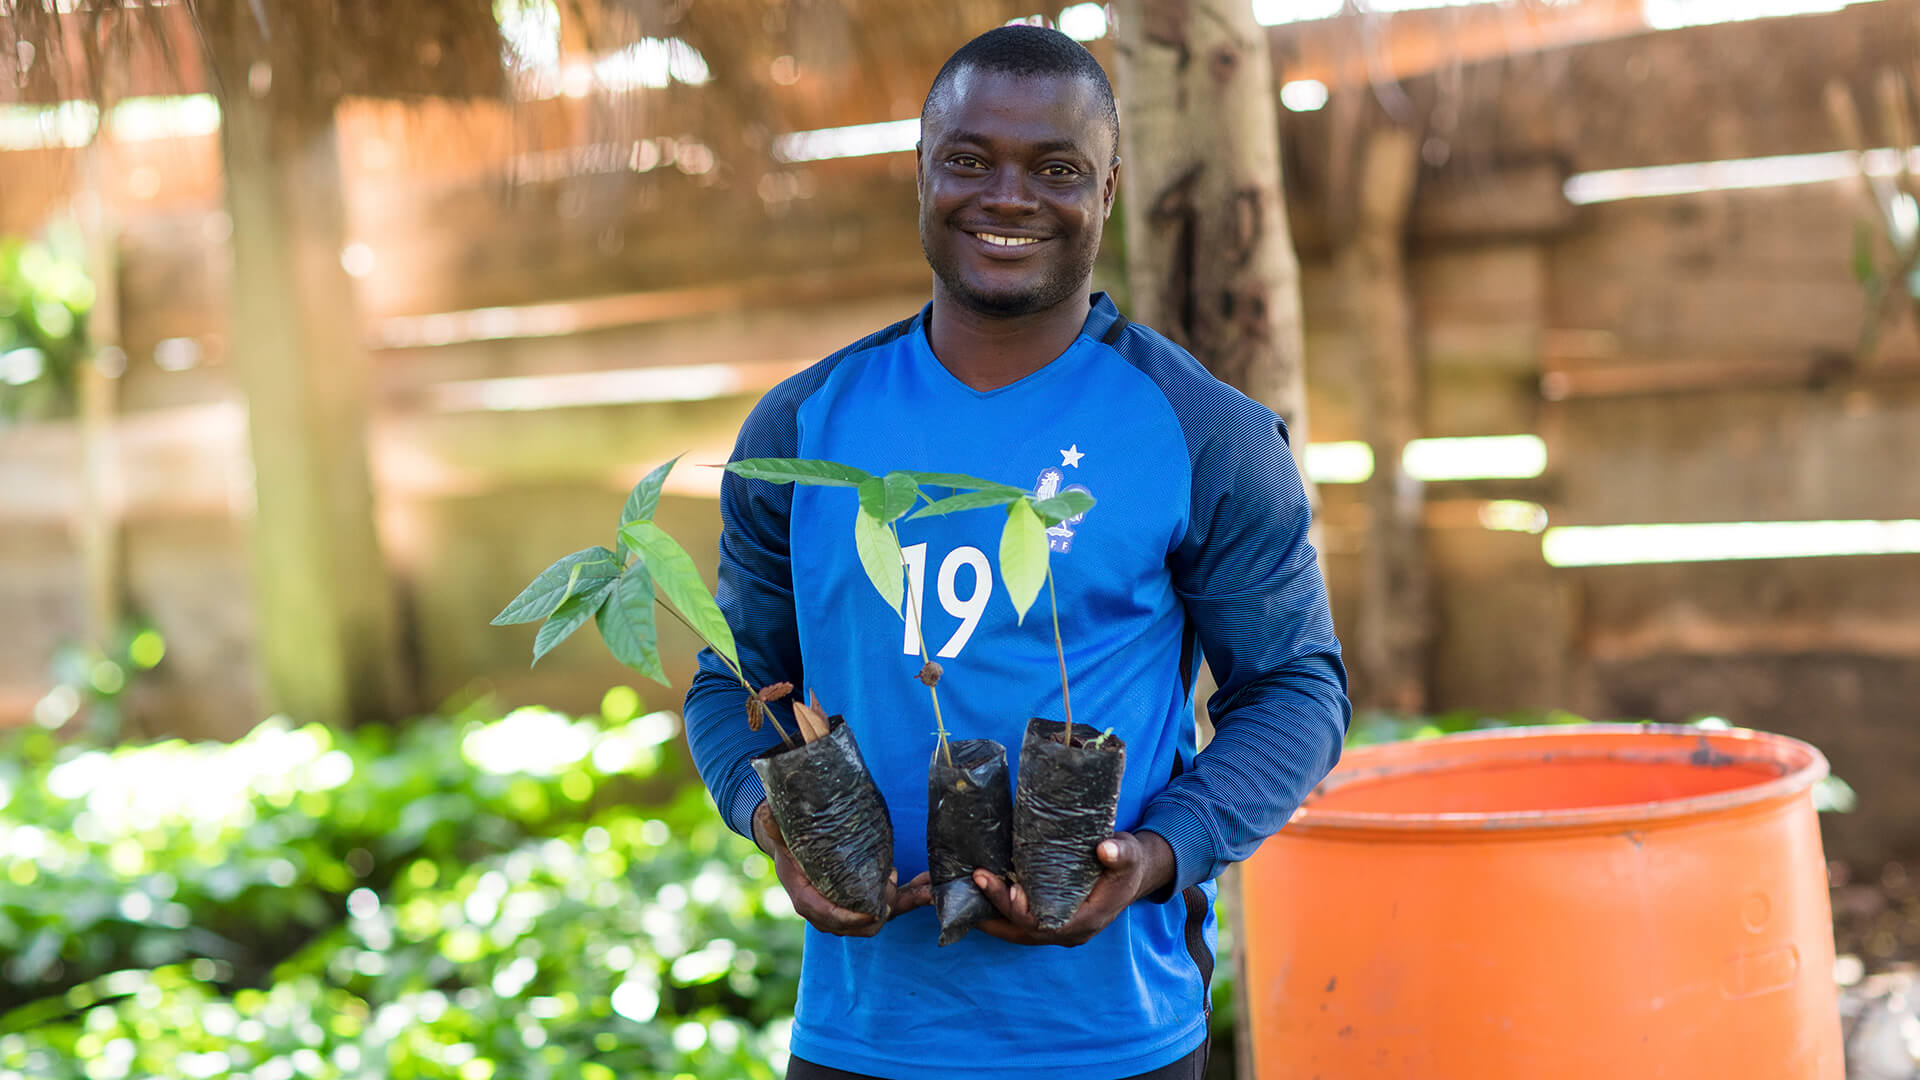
[1071, 456]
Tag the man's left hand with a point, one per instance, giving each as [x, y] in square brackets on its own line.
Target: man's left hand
[1131, 866]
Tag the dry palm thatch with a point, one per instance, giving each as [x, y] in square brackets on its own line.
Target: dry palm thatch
[316, 51]
[877, 54]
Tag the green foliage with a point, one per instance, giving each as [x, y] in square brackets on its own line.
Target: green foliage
[627, 625]
[45, 295]
[879, 550]
[675, 577]
[470, 897]
[602, 585]
[971, 500]
[643, 501]
[1023, 556]
[799, 471]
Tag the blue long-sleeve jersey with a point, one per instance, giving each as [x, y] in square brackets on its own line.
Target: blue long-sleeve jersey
[1196, 547]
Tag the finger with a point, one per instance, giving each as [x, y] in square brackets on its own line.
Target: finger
[1121, 851]
[823, 913]
[995, 888]
[916, 893]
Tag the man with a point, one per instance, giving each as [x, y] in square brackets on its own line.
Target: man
[1197, 547]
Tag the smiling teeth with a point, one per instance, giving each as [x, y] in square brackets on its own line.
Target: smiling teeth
[1007, 241]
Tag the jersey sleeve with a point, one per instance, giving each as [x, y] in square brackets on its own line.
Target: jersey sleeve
[1251, 585]
[755, 593]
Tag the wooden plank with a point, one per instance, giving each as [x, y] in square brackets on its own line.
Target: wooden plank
[1504, 627]
[1760, 271]
[632, 364]
[1517, 201]
[1734, 90]
[1368, 47]
[1869, 605]
[467, 248]
[1483, 307]
[1740, 455]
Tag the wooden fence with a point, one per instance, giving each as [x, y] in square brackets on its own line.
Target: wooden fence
[1685, 357]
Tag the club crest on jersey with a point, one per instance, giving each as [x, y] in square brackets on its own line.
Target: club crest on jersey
[1052, 482]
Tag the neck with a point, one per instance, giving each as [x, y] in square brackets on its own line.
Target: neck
[989, 351]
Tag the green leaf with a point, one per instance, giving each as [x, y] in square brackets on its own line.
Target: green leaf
[1023, 557]
[971, 500]
[572, 615]
[675, 577]
[626, 624]
[880, 557]
[956, 480]
[644, 500]
[887, 497]
[799, 471]
[575, 573]
[1063, 506]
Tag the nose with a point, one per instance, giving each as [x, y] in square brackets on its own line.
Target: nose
[1007, 192]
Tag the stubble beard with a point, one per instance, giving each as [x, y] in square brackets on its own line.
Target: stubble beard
[1057, 286]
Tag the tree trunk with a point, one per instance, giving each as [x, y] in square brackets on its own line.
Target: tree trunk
[1210, 261]
[1393, 623]
[324, 602]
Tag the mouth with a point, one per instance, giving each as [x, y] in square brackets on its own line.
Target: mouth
[1002, 244]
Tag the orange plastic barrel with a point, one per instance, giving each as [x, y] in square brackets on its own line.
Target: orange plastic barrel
[1592, 902]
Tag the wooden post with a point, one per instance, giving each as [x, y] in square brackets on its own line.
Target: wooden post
[324, 602]
[1210, 261]
[1393, 624]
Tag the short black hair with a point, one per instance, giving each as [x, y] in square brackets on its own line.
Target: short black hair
[1022, 50]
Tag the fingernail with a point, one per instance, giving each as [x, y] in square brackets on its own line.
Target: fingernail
[893, 877]
[1109, 850]
[980, 879]
[1018, 895]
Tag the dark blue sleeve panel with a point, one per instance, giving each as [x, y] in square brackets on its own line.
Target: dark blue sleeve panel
[1254, 597]
[755, 594]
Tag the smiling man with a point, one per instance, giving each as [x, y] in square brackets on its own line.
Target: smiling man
[1197, 547]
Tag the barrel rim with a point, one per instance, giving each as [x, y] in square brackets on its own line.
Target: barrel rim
[1802, 765]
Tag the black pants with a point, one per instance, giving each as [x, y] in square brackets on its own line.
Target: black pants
[1191, 1067]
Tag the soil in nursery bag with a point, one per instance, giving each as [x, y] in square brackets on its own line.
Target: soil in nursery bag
[1064, 807]
[969, 825]
[832, 818]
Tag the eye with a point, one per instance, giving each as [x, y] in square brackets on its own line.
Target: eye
[1058, 169]
[966, 161]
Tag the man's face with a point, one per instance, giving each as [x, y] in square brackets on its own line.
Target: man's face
[1016, 178]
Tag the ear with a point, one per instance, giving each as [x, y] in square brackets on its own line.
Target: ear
[1112, 186]
[919, 166]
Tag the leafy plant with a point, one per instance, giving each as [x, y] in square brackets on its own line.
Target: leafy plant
[884, 500]
[45, 295]
[617, 589]
[1025, 552]
[334, 904]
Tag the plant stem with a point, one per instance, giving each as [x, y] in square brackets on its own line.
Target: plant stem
[731, 666]
[1059, 650]
[920, 636]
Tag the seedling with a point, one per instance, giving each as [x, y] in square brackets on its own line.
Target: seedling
[617, 588]
[884, 500]
[1025, 562]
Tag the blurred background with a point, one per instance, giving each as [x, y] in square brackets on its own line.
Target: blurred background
[325, 325]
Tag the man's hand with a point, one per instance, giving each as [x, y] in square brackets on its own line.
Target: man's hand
[824, 914]
[1132, 865]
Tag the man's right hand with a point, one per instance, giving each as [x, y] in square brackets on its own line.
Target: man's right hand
[823, 914]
